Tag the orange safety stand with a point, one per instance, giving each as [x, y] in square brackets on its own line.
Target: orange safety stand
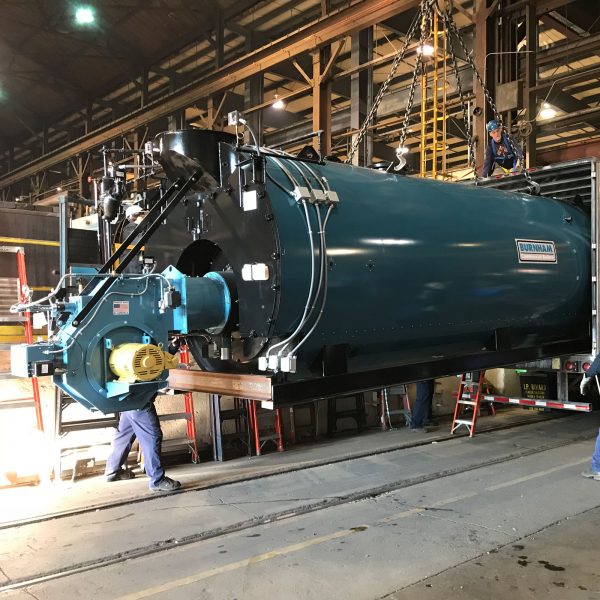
[23, 295]
[184, 355]
[258, 440]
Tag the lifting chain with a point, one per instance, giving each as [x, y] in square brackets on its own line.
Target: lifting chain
[411, 98]
[451, 28]
[383, 89]
[424, 17]
[425, 13]
[461, 94]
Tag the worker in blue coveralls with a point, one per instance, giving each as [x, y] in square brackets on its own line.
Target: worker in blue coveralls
[502, 150]
[588, 377]
[421, 414]
[142, 424]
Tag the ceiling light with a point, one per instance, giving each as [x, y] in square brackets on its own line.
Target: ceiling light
[278, 103]
[547, 111]
[84, 15]
[426, 50]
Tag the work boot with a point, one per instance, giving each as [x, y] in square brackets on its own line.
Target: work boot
[590, 474]
[121, 475]
[166, 484]
[419, 430]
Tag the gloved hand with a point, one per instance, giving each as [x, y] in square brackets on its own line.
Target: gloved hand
[585, 384]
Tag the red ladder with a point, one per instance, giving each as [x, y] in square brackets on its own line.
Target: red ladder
[188, 399]
[23, 296]
[466, 397]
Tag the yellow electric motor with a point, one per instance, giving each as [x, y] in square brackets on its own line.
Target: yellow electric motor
[140, 362]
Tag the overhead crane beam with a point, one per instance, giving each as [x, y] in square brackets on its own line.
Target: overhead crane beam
[315, 35]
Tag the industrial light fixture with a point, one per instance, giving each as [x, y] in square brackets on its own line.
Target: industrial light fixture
[425, 50]
[278, 103]
[547, 111]
[84, 15]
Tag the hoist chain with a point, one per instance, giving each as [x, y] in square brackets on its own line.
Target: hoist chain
[424, 18]
[426, 14]
[461, 94]
[411, 98]
[451, 25]
[382, 90]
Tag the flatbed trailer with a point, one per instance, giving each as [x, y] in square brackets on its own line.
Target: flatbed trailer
[574, 181]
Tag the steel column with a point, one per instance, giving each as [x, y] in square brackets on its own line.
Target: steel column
[253, 95]
[361, 92]
[482, 13]
[321, 96]
[531, 26]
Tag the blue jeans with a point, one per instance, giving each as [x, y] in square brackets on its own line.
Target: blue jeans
[421, 410]
[144, 425]
[596, 455]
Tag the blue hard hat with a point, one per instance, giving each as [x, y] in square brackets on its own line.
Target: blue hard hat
[493, 124]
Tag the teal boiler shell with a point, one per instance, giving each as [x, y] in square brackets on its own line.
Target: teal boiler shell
[421, 269]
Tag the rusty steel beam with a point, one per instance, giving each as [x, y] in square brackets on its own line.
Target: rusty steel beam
[310, 37]
[252, 387]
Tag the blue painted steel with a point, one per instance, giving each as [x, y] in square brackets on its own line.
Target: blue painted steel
[421, 269]
[205, 301]
[129, 312]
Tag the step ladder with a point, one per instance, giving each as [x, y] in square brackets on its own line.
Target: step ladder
[470, 393]
[387, 414]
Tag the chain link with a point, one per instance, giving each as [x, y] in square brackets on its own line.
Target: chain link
[424, 16]
[467, 123]
[452, 26]
[411, 99]
[382, 90]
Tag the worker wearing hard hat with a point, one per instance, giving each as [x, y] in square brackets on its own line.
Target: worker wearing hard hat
[502, 150]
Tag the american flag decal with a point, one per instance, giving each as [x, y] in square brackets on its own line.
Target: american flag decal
[121, 307]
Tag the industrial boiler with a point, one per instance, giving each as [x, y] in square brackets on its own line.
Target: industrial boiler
[316, 279]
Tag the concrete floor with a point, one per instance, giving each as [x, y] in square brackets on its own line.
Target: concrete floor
[503, 514]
